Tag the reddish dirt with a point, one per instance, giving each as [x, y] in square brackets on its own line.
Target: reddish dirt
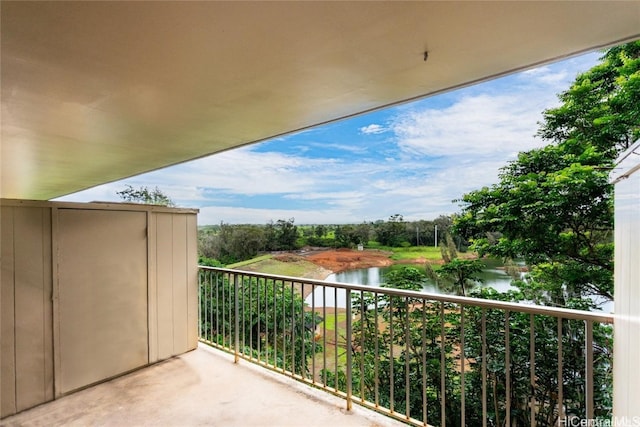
[338, 260]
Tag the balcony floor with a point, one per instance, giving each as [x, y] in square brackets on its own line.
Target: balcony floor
[202, 387]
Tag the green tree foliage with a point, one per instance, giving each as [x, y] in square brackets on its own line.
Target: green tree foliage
[406, 343]
[543, 393]
[455, 274]
[553, 206]
[145, 195]
[392, 232]
[349, 236]
[281, 235]
[231, 243]
[273, 324]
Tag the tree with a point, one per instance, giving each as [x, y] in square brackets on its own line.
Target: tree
[459, 273]
[346, 236]
[145, 195]
[281, 235]
[392, 232]
[553, 206]
[267, 329]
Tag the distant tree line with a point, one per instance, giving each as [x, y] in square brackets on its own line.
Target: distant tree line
[229, 243]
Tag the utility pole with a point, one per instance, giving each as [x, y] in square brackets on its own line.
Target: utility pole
[417, 237]
[435, 243]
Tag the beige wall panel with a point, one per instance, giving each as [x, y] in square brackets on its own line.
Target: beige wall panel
[34, 376]
[7, 338]
[102, 291]
[164, 283]
[180, 288]
[192, 280]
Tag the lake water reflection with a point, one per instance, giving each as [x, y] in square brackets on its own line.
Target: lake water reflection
[374, 276]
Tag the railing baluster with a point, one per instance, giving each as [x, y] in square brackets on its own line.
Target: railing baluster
[200, 316]
[324, 336]
[589, 369]
[391, 359]
[376, 363]
[507, 366]
[275, 323]
[293, 331]
[462, 357]
[313, 333]
[284, 328]
[424, 361]
[241, 316]
[443, 390]
[349, 332]
[250, 321]
[362, 329]
[303, 329]
[335, 337]
[485, 414]
[560, 374]
[224, 309]
[407, 341]
[532, 369]
[259, 313]
[236, 320]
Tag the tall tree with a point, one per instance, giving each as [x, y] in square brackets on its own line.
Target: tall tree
[392, 232]
[553, 206]
[455, 273]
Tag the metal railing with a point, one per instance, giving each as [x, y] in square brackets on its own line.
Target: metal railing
[426, 359]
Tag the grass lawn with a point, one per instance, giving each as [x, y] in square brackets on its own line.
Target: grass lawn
[267, 264]
[331, 322]
[412, 252]
[249, 261]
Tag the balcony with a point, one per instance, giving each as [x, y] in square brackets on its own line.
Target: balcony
[423, 359]
[452, 361]
[202, 387]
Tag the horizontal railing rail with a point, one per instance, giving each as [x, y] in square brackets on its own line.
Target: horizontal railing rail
[423, 358]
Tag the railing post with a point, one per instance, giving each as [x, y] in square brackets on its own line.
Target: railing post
[348, 345]
[236, 321]
[200, 286]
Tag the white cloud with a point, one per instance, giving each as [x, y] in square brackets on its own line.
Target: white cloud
[239, 215]
[547, 75]
[475, 125]
[372, 129]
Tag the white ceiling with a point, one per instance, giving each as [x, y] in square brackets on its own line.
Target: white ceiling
[93, 92]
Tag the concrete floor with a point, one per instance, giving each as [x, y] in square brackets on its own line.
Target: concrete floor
[200, 388]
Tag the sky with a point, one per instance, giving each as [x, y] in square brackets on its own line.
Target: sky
[413, 159]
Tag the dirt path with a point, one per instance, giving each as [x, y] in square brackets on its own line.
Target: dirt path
[338, 260]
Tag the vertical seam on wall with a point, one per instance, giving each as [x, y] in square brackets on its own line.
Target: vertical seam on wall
[186, 277]
[148, 241]
[173, 287]
[44, 305]
[15, 343]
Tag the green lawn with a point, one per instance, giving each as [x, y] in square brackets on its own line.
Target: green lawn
[412, 252]
[249, 261]
[268, 265]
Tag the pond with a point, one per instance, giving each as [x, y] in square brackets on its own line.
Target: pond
[492, 276]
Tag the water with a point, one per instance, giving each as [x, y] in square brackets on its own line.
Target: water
[374, 276]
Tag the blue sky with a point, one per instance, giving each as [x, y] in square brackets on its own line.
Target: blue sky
[413, 159]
